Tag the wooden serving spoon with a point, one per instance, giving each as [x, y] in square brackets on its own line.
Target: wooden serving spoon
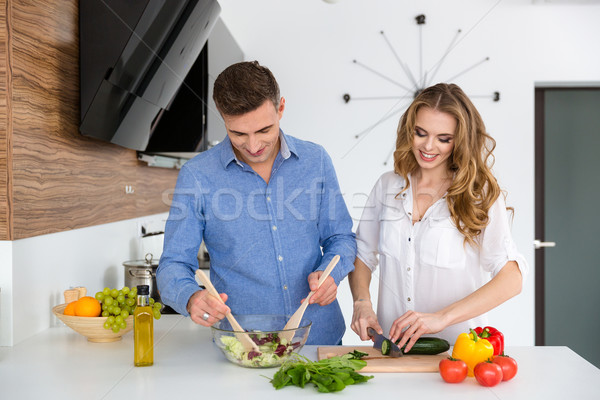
[244, 338]
[295, 319]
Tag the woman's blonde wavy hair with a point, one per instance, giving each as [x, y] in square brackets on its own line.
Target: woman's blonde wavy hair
[474, 188]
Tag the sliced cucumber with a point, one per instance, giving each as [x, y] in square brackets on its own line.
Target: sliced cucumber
[386, 347]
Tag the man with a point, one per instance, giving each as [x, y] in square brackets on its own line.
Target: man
[269, 210]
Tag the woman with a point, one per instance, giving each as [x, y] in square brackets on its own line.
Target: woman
[439, 225]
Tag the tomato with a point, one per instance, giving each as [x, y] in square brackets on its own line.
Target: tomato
[487, 373]
[508, 365]
[453, 370]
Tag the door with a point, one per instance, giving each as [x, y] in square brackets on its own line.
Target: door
[568, 214]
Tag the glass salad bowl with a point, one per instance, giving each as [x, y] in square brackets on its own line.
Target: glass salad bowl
[268, 334]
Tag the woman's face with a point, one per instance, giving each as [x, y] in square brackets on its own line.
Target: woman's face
[434, 138]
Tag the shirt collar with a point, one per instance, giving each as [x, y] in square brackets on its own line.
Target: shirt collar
[437, 212]
[286, 149]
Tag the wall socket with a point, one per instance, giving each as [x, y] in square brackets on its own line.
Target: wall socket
[153, 226]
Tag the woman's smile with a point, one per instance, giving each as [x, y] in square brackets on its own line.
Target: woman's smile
[427, 157]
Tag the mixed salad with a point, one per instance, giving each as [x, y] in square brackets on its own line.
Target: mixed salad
[273, 350]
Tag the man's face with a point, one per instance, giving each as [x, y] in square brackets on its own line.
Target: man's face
[255, 135]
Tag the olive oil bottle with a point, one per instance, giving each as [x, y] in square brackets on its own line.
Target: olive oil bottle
[143, 329]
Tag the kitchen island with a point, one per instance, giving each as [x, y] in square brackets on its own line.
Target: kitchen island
[61, 364]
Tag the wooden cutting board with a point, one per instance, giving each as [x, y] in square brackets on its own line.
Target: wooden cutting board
[379, 363]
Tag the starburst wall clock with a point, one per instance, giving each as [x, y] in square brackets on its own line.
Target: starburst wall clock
[417, 81]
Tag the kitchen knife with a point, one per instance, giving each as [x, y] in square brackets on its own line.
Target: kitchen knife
[378, 342]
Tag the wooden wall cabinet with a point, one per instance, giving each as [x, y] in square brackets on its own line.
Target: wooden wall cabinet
[52, 178]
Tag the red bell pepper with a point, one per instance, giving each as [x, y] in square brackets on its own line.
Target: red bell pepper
[494, 336]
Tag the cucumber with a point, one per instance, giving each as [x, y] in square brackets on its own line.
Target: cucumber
[427, 345]
[386, 346]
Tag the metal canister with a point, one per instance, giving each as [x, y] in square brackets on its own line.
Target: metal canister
[142, 272]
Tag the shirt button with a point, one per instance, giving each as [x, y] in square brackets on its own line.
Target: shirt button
[284, 287]
[274, 227]
[409, 239]
[280, 258]
[268, 198]
[408, 299]
[408, 269]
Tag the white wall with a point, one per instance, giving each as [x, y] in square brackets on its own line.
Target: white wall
[44, 266]
[309, 45]
[6, 312]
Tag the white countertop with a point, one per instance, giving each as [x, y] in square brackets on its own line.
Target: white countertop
[61, 364]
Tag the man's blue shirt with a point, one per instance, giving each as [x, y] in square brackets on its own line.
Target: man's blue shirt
[263, 239]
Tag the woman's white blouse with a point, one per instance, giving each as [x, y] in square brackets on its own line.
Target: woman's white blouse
[427, 266]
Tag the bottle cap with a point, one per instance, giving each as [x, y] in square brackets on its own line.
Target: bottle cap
[143, 290]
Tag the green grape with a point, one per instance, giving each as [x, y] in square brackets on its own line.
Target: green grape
[156, 313]
[117, 306]
[151, 301]
[158, 306]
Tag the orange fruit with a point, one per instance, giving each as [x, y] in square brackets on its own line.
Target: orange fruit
[70, 308]
[88, 307]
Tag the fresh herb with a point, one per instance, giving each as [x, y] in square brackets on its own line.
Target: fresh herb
[357, 355]
[328, 375]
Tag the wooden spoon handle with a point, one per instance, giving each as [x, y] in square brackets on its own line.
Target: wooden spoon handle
[244, 338]
[295, 319]
[325, 274]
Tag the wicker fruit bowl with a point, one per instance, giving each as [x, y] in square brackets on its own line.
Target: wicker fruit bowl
[91, 327]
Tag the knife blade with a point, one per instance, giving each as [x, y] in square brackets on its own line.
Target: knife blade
[378, 341]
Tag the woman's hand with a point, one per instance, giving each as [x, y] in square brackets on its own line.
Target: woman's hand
[416, 325]
[203, 302]
[364, 317]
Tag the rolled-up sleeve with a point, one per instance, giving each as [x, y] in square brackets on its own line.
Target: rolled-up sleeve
[497, 245]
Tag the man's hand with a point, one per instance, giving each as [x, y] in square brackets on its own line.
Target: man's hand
[326, 294]
[203, 302]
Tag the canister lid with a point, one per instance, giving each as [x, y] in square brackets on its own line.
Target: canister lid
[149, 261]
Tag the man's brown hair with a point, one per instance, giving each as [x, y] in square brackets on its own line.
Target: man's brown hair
[243, 87]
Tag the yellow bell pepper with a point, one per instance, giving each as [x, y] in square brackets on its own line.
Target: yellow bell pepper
[472, 350]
